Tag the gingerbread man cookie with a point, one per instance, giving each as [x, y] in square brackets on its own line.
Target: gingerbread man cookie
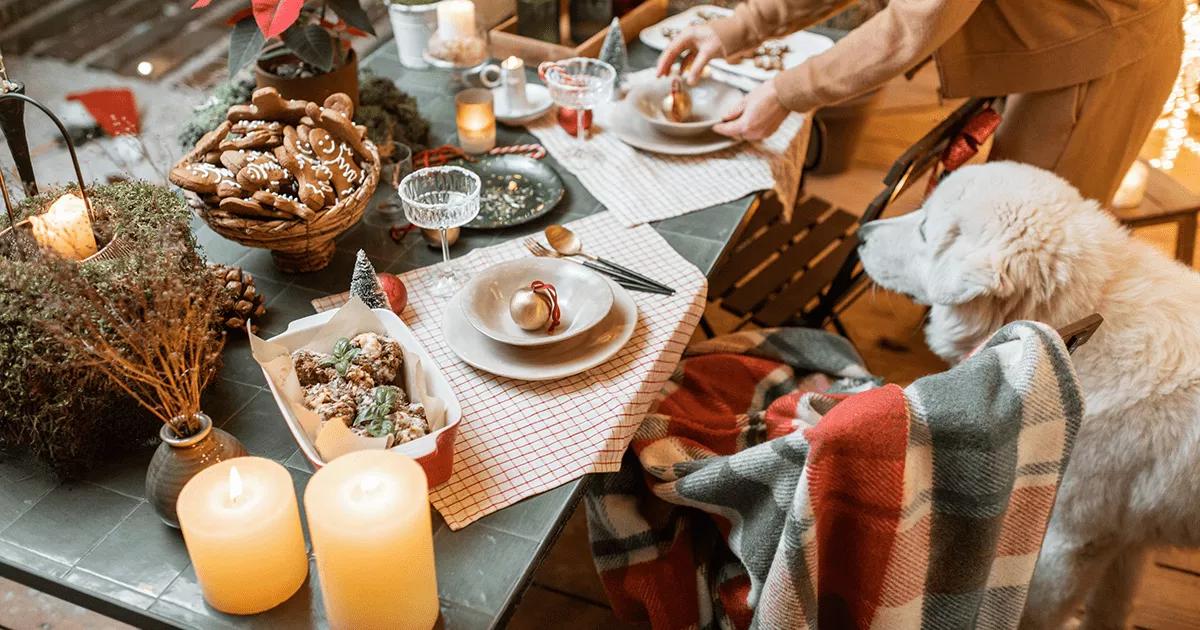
[285, 203]
[337, 156]
[262, 172]
[199, 177]
[251, 209]
[267, 104]
[312, 177]
[246, 126]
[340, 101]
[208, 142]
[340, 126]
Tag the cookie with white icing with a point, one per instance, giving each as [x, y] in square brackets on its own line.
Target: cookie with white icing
[346, 175]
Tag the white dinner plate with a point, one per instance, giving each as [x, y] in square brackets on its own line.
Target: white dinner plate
[542, 363]
[633, 129]
[801, 44]
[536, 95]
[583, 295]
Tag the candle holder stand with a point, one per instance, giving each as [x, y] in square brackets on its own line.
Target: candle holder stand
[12, 106]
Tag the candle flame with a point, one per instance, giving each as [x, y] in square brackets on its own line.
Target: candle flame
[235, 484]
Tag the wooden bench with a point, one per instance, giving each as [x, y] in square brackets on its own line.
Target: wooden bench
[1167, 201]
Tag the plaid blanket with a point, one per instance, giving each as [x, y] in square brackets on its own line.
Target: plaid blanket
[765, 493]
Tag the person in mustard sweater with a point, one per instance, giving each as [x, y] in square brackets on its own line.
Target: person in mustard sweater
[1085, 79]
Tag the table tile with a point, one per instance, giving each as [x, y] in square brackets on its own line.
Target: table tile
[98, 585]
[699, 251]
[298, 461]
[715, 224]
[125, 473]
[469, 560]
[238, 364]
[332, 279]
[374, 239]
[301, 610]
[535, 517]
[141, 553]
[31, 561]
[20, 492]
[261, 264]
[188, 618]
[217, 248]
[454, 616]
[224, 397]
[261, 428]
[291, 304]
[55, 529]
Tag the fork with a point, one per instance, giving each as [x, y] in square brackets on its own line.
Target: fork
[541, 251]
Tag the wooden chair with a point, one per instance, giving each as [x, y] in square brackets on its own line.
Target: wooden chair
[805, 271]
[1166, 201]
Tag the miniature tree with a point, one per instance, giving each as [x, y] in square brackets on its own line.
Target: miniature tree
[364, 283]
[613, 51]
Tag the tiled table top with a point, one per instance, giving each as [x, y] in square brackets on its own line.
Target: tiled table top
[98, 543]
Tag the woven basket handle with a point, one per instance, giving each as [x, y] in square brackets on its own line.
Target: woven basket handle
[62, 129]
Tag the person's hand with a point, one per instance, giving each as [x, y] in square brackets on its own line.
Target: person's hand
[757, 117]
[701, 41]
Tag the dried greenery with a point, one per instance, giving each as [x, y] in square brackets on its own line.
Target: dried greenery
[53, 403]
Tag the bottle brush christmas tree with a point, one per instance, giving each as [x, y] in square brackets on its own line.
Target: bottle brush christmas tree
[364, 283]
[613, 51]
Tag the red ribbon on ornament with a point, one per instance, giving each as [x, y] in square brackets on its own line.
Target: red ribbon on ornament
[547, 289]
[965, 145]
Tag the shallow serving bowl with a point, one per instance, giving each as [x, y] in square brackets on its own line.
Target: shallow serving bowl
[584, 297]
[711, 101]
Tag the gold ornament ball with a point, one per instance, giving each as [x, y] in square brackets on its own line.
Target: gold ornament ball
[433, 238]
[529, 309]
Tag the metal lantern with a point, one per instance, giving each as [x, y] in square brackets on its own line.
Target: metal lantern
[12, 117]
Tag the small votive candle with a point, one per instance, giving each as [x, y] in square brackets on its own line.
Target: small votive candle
[242, 529]
[1133, 186]
[512, 80]
[368, 515]
[455, 19]
[65, 228]
[476, 120]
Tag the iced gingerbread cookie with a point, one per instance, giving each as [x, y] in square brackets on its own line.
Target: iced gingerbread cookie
[285, 203]
[339, 126]
[312, 177]
[251, 209]
[267, 104]
[262, 172]
[199, 177]
[339, 159]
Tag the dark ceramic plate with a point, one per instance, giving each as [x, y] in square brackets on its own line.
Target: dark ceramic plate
[515, 190]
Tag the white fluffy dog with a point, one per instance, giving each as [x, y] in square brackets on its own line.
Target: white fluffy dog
[1005, 241]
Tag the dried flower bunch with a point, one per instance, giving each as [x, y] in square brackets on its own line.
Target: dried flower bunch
[54, 403]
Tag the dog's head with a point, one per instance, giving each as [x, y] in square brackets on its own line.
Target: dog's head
[1000, 231]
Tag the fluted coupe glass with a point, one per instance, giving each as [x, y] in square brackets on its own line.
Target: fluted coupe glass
[580, 83]
[440, 198]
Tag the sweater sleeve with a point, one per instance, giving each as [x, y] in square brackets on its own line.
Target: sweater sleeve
[755, 21]
[892, 41]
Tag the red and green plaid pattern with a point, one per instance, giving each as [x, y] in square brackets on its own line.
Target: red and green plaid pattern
[757, 497]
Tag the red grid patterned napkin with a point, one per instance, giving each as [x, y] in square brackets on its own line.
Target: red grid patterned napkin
[520, 438]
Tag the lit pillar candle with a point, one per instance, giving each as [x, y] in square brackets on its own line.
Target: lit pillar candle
[476, 120]
[242, 528]
[1133, 186]
[368, 515]
[65, 228]
[455, 19]
[512, 77]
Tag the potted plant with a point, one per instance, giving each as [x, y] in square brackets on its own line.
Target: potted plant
[413, 22]
[302, 48]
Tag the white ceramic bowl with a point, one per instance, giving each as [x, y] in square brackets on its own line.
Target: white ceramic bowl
[584, 297]
[711, 101]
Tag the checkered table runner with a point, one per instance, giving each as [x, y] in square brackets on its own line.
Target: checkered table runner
[640, 187]
[520, 438]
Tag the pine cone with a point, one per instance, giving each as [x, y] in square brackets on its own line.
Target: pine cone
[241, 300]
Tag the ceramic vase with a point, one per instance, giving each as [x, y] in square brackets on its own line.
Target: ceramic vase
[178, 459]
[412, 25]
[317, 88]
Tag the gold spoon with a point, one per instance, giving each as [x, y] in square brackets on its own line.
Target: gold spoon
[567, 243]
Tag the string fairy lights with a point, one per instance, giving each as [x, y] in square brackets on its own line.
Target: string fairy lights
[1185, 96]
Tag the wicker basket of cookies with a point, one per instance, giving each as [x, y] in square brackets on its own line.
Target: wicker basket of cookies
[284, 175]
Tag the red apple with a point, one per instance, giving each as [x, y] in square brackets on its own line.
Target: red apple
[567, 118]
[394, 289]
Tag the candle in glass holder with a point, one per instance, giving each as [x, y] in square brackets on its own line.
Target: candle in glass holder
[1133, 186]
[476, 120]
[512, 81]
[368, 515]
[455, 19]
[242, 528]
[65, 228]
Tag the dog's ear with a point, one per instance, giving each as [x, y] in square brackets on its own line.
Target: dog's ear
[960, 281]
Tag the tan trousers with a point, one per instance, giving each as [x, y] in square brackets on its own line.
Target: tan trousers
[1091, 133]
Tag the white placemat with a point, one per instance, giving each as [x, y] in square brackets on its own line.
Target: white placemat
[520, 438]
[640, 187]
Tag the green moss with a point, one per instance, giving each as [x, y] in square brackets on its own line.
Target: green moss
[62, 412]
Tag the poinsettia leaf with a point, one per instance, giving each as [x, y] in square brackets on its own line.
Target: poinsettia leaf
[312, 44]
[276, 16]
[239, 16]
[351, 12]
[200, 4]
[244, 45]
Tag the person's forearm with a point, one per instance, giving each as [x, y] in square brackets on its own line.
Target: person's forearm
[754, 21]
[894, 40]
